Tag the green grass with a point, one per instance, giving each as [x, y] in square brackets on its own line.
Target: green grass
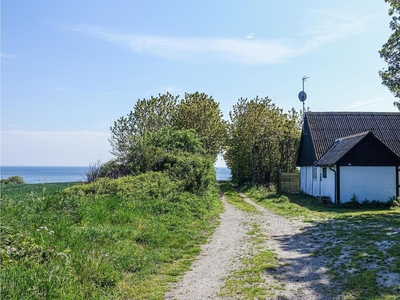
[233, 198]
[81, 245]
[367, 241]
[248, 282]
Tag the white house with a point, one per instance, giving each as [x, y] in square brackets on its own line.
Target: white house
[343, 154]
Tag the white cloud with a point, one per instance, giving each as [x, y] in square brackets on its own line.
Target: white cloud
[3, 55]
[324, 27]
[250, 35]
[60, 89]
[329, 26]
[247, 51]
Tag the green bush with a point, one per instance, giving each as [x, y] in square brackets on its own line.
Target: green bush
[141, 186]
[395, 202]
[281, 199]
[13, 180]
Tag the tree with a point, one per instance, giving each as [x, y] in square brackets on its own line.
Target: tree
[148, 115]
[178, 153]
[152, 149]
[390, 52]
[201, 112]
[141, 140]
[13, 180]
[263, 140]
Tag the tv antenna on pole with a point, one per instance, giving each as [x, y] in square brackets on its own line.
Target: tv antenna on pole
[302, 94]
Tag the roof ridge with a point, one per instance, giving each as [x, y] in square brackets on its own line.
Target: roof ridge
[356, 135]
[355, 112]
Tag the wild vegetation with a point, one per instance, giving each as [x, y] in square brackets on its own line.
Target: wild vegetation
[112, 239]
[263, 140]
[13, 180]
[258, 142]
[197, 112]
[390, 52]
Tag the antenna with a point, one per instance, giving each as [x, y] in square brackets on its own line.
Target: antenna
[302, 94]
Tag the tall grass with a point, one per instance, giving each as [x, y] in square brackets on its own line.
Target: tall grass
[120, 239]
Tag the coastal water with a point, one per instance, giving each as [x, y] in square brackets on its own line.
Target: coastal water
[45, 174]
[67, 174]
[222, 173]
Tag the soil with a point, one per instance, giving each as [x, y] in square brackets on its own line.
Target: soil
[298, 276]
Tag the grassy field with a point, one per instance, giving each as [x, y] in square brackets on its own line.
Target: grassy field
[87, 243]
[361, 245]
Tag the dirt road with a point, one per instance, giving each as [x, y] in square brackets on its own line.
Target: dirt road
[298, 276]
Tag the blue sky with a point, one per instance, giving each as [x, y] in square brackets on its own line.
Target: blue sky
[69, 69]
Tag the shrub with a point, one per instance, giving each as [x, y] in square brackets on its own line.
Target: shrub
[395, 202]
[112, 169]
[149, 185]
[13, 180]
[281, 199]
[354, 201]
[93, 172]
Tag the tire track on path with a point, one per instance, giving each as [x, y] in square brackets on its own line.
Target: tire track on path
[299, 275]
[205, 278]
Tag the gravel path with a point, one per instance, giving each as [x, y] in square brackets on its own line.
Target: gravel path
[299, 276]
[205, 278]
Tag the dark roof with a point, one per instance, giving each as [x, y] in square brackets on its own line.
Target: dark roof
[340, 148]
[326, 127]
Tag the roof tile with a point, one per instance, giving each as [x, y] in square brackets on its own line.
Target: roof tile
[326, 127]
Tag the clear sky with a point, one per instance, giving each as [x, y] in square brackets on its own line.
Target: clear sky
[69, 69]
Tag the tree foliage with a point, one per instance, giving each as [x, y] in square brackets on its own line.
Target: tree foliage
[148, 115]
[177, 153]
[152, 151]
[196, 111]
[390, 52]
[13, 180]
[201, 112]
[263, 141]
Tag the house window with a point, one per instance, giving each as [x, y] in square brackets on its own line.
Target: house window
[314, 173]
[324, 172]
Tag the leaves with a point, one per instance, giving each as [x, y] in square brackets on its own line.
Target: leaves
[148, 115]
[201, 112]
[198, 112]
[263, 140]
[390, 52]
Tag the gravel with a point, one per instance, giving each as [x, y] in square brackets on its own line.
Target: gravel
[299, 274]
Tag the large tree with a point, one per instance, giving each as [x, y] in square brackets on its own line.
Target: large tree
[148, 115]
[201, 112]
[263, 141]
[198, 112]
[390, 52]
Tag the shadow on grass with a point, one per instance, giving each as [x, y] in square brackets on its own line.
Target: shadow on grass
[359, 250]
[311, 203]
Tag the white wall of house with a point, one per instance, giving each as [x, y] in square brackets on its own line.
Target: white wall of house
[313, 183]
[305, 179]
[328, 184]
[372, 183]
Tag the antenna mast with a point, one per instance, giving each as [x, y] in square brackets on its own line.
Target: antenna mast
[302, 94]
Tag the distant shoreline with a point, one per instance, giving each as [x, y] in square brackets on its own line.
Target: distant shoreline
[56, 174]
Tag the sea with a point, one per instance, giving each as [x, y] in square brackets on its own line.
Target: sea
[68, 174]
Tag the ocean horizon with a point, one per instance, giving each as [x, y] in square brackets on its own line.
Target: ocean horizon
[53, 174]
